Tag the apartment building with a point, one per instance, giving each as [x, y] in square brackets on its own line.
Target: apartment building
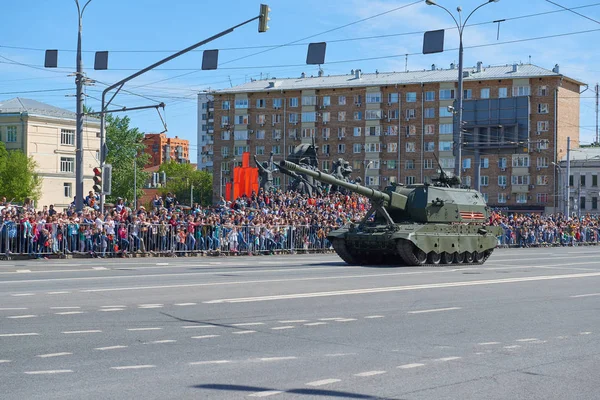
[582, 186]
[205, 141]
[47, 134]
[164, 149]
[391, 126]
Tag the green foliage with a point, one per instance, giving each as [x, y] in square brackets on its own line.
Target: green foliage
[18, 179]
[124, 148]
[180, 177]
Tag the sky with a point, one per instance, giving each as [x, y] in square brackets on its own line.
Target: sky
[366, 34]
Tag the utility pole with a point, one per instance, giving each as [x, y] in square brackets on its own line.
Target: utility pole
[568, 178]
[597, 96]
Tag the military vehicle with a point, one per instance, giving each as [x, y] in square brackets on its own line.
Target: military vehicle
[420, 224]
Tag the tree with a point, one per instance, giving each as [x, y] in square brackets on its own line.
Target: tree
[18, 179]
[125, 148]
[181, 177]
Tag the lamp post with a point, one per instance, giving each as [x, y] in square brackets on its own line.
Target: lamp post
[560, 174]
[460, 25]
[366, 168]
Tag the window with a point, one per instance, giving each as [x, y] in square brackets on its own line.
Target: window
[485, 93]
[309, 100]
[393, 114]
[594, 180]
[11, 134]
[392, 147]
[357, 115]
[239, 150]
[293, 118]
[467, 94]
[445, 146]
[582, 180]
[542, 162]
[430, 129]
[326, 149]
[68, 189]
[325, 133]
[260, 150]
[225, 105]
[341, 149]
[277, 103]
[392, 130]
[521, 91]
[373, 148]
[502, 163]
[261, 118]
[501, 198]
[260, 134]
[356, 148]
[485, 162]
[276, 118]
[411, 97]
[409, 164]
[67, 137]
[520, 161]
[447, 162]
[444, 112]
[466, 181]
[410, 147]
[276, 134]
[374, 130]
[373, 97]
[326, 101]
[411, 130]
[241, 103]
[241, 119]
[357, 131]
[429, 146]
[502, 92]
[502, 180]
[260, 103]
[521, 198]
[430, 96]
[240, 135]
[225, 166]
[308, 133]
[393, 98]
[224, 121]
[293, 102]
[594, 203]
[570, 180]
[542, 180]
[582, 203]
[466, 163]
[225, 151]
[67, 164]
[543, 108]
[542, 126]
[341, 132]
[543, 91]
[484, 180]
[325, 165]
[543, 144]
[392, 164]
[410, 180]
[276, 149]
[446, 129]
[372, 180]
[277, 181]
[410, 113]
[428, 163]
[226, 135]
[309, 116]
[373, 114]
[429, 113]
[519, 179]
[446, 94]
[341, 100]
[341, 115]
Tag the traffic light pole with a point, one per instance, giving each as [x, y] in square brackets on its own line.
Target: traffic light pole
[263, 17]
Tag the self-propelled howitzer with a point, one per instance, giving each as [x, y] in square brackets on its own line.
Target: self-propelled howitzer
[414, 225]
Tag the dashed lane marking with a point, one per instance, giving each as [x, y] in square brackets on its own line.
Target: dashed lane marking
[278, 328]
[117, 306]
[487, 343]
[331, 319]
[266, 393]
[13, 308]
[163, 341]
[69, 312]
[185, 304]
[111, 309]
[345, 320]
[88, 331]
[54, 355]
[315, 323]
[339, 354]
[48, 372]
[293, 321]
[433, 310]
[527, 340]
[370, 373]
[65, 308]
[585, 333]
[22, 294]
[198, 326]
[4, 361]
[110, 348]
[585, 295]
[143, 329]
[22, 316]
[23, 271]
[409, 366]
[277, 358]
[374, 316]
[323, 382]
[243, 332]
[134, 367]
[447, 359]
[59, 292]
[151, 306]
[99, 268]
[248, 324]
[18, 334]
[205, 336]
[210, 362]
[514, 346]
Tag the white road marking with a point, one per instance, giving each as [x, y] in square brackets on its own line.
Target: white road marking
[23, 294]
[65, 308]
[185, 304]
[527, 340]
[323, 382]
[585, 333]
[585, 295]
[409, 366]
[4, 361]
[54, 355]
[163, 341]
[447, 358]
[562, 337]
[243, 332]
[110, 348]
[134, 367]
[315, 323]
[265, 393]
[22, 316]
[143, 329]
[434, 310]
[345, 320]
[514, 346]
[23, 270]
[69, 312]
[277, 358]
[293, 321]
[117, 306]
[370, 373]
[53, 371]
[18, 334]
[278, 328]
[405, 288]
[205, 336]
[89, 331]
[487, 343]
[374, 316]
[330, 319]
[210, 362]
[151, 306]
[99, 268]
[111, 309]
[13, 308]
[59, 292]
[339, 354]
[198, 326]
[162, 264]
[248, 324]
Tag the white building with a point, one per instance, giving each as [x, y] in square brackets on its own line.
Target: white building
[205, 131]
[47, 134]
[583, 181]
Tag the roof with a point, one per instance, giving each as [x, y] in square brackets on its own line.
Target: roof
[34, 107]
[392, 78]
[583, 154]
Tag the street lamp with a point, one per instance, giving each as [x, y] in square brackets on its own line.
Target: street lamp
[460, 25]
[366, 168]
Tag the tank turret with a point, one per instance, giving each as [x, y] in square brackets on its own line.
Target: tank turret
[413, 225]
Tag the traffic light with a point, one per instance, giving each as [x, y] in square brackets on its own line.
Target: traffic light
[97, 180]
[263, 18]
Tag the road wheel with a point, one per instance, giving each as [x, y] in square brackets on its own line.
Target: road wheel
[468, 257]
[434, 258]
[447, 258]
[478, 256]
[459, 258]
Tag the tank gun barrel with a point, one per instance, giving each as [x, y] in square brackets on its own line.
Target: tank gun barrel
[326, 178]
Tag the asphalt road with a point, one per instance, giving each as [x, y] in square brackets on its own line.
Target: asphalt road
[526, 325]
